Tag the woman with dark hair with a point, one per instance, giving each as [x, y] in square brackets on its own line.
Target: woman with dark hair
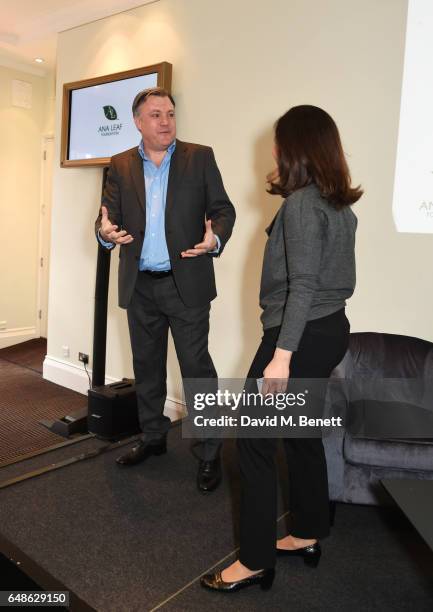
[308, 273]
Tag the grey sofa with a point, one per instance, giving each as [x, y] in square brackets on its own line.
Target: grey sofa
[383, 389]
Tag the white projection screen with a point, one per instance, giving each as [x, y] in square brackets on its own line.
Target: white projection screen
[97, 116]
[413, 182]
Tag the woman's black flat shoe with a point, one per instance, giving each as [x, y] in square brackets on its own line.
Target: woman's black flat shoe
[311, 554]
[215, 582]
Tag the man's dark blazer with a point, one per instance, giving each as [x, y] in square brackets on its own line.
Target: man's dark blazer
[195, 190]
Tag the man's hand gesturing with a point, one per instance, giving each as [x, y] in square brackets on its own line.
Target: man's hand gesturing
[109, 233]
[208, 244]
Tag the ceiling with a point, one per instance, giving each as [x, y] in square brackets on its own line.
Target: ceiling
[28, 28]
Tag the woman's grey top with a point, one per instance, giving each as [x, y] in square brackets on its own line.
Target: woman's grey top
[309, 264]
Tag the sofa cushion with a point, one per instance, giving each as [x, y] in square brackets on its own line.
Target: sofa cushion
[408, 454]
[383, 419]
[379, 355]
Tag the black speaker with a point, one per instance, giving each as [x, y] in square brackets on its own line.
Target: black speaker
[112, 410]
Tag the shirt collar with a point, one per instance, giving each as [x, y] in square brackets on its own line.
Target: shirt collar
[170, 150]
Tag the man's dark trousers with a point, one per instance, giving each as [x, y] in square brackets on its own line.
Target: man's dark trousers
[155, 308]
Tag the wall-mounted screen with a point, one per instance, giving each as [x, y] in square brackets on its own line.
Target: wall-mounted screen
[97, 116]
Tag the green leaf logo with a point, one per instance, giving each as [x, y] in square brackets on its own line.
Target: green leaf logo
[110, 112]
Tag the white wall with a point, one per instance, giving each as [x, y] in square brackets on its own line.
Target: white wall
[20, 190]
[237, 66]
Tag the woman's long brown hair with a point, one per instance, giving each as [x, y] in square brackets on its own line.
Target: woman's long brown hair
[309, 150]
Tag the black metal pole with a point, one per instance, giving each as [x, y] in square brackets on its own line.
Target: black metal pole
[101, 306]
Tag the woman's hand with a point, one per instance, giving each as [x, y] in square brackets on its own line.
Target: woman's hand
[276, 373]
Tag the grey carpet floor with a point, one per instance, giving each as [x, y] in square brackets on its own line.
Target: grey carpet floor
[138, 539]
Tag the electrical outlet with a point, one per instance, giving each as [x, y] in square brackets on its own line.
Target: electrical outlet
[3, 324]
[83, 357]
[65, 350]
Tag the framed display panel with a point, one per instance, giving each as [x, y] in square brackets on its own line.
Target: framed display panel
[97, 118]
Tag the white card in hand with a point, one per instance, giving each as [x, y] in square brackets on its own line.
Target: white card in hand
[259, 382]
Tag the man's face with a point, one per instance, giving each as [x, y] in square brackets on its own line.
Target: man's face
[156, 123]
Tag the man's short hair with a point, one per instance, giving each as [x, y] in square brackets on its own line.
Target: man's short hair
[142, 96]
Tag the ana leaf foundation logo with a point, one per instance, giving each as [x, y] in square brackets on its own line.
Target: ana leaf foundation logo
[110, 112]
[112, 129]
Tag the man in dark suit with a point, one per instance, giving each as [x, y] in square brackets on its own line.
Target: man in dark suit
[165, 204]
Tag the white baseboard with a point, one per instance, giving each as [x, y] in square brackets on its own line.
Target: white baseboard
[174, 409]
[68, 374]
[9, 337]
[74, 377]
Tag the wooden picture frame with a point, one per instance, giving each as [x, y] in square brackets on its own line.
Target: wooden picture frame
[163, 71]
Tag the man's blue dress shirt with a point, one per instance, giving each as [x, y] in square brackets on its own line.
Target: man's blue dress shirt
[154, 253]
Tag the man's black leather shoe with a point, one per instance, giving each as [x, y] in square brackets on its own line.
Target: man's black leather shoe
[209, 475]
[142, 451]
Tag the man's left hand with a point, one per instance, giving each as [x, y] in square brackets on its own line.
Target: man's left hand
[208, 244]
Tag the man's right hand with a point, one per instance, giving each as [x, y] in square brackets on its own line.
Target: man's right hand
[109, 233]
